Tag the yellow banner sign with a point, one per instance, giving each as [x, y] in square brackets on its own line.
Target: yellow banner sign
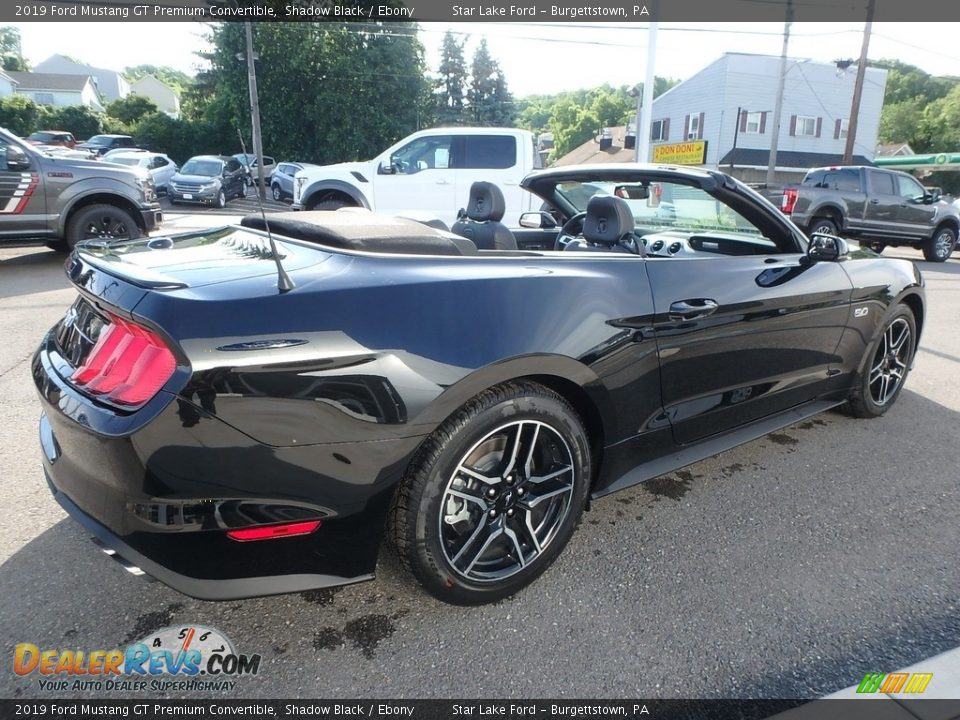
[693, 152]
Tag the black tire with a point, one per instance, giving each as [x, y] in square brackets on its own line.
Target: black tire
[221, 200]
[277, 192]
[939, 247]
[885, 367]
[493, 511]
[822, 225]
[330, 204]
[243, 191]
[108, 222]
[878, 246]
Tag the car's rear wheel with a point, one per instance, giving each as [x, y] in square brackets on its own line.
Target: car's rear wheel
[493, 496]
[885, 371]
[939, 247]
[277, 193]
[106, 222]
[823, 226]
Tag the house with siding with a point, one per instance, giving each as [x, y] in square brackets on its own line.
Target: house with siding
[56, 89]
[729, 105]
[159, 93]
[109, 83]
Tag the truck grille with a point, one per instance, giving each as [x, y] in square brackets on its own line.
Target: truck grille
[187, 187]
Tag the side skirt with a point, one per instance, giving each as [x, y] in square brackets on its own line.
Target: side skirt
[716, 444]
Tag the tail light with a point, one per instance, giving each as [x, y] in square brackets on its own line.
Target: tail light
[269, 532]
[127, 366]
[788, 200]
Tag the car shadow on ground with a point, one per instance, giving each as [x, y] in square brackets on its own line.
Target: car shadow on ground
[32, 270]
[772, 570]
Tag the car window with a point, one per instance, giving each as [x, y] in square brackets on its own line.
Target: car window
[424, 153]
[233, 165]
[158, 162]
[129, 161]
[882, 183]
[909, 188]
[489, 151]
[267, 160]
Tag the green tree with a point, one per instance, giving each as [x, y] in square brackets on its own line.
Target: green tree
[20, 115]
[77, 119]
[452, 83]
[131, 108]
[11, 50]
[484, 72]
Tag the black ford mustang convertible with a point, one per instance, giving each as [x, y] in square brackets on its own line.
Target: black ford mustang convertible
[253, 410]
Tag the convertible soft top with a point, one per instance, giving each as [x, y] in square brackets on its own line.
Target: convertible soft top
[357, 229]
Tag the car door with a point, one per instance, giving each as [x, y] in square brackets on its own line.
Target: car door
[234, 179]
[419, 178]
[881, 214]
[23, 204]
[739, 336]
[915, 215]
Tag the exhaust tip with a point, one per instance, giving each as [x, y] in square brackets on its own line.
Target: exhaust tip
[124, 563]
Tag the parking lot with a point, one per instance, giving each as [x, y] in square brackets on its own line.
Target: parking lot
[788, 567]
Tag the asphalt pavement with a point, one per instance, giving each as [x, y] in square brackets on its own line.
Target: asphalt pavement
[788, 567]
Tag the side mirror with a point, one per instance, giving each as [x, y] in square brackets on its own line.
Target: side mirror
[827, 248]
[17, 159]
[534, 219]
[386, 168]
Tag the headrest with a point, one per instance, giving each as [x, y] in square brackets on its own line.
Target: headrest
[486, 202]
[608, 219]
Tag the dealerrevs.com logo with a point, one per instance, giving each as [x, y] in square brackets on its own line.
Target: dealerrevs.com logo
[171, 659]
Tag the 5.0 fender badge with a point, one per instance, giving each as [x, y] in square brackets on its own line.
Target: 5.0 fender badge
[860, 312]
[273, 344]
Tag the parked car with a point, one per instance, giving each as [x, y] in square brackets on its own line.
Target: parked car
[208, 180]
[297, 395]
[428, 172]
[100, 144]
[160, 167]
[52, 137]
[63, 200]
[121, 151]
[281, 182]
[878, 206]
[249, 162]
[65, 152]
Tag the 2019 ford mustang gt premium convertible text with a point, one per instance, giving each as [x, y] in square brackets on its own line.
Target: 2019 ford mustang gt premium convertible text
[240, 412]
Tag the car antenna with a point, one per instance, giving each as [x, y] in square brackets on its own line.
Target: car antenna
[284, 281]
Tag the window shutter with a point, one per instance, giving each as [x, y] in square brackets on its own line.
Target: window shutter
[686, 127]
[763, 122]
[743, 120]
[700, 128]
[819, 124]
[666, 129]
[793, 125]
[836, 129]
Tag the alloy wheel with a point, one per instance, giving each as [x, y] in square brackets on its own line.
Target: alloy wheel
[506, 500]
[889, 366]
[943, 244]
[106, 227]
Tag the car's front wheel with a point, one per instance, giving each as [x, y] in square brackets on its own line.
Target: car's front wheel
[221, 200]
[493, 496]
[887, 365]
[939, 247]
[277, 193]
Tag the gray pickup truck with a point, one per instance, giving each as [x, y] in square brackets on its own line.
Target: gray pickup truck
[62, 200]
[879, 207]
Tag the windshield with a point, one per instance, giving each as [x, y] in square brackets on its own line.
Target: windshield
[208, 168]
[99, 140]
[244, 159]
[42, 136]
[662, 204]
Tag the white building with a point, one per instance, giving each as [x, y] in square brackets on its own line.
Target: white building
[159, 93]
[7, 85]
[56, 89]
[109, 83]
[814, 116]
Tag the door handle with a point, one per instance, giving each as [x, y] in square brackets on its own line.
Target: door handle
[693, 309]
[874, 201]
[442, 181]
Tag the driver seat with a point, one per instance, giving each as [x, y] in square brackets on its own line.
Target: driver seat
[608, 227]
[481, 224]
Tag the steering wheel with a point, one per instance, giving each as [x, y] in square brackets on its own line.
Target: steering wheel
[572, 229]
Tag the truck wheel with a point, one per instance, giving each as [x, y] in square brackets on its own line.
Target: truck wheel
[822, 226]
[106, 222]
[331, 204]
[878, 246]
[939, 247]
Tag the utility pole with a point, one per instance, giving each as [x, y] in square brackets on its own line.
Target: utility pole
[858, 87]
[778, 107]
[255, 109]
[645, 112]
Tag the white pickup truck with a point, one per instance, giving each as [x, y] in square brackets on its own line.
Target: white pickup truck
[428, 174]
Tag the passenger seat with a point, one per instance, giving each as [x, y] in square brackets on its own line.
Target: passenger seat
[482, 222]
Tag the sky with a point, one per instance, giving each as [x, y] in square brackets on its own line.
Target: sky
[541, 57]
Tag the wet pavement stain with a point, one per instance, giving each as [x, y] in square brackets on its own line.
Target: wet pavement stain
[279, 649]
[730, 469]
[783, 439]
[368, 631]
[152, 621]
[327, 638]
[321, 597]
[669, 486]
